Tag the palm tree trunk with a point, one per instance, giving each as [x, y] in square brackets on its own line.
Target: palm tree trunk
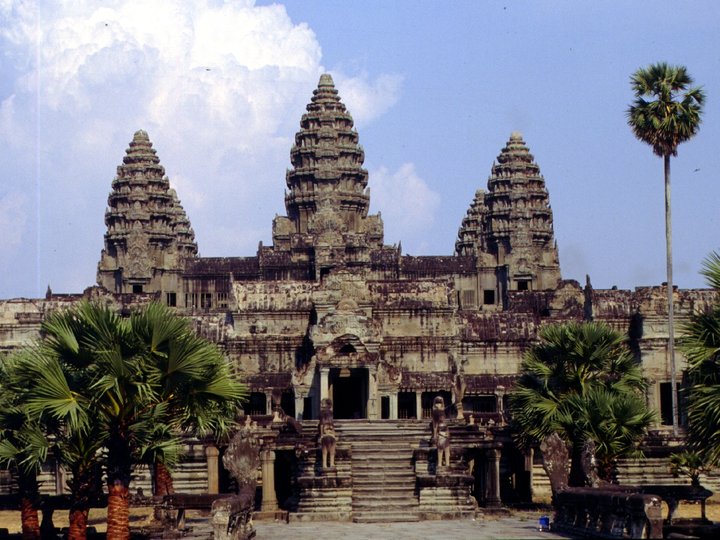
[163, 480]
[577, 476]
[671, 311]
[78, 524]
[163, 485]
[118, 513]
[29, 498]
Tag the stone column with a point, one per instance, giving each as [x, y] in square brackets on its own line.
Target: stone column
[269, 498]
[268, 403]
[213, 472]
[492, 477]
[418, 404]
[299, 406]
[60, 479]
[372, 401]
[393, 406]
[499, 395]
[529, 460]
[324, 383]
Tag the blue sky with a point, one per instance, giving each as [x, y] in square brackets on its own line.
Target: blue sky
[436, 88]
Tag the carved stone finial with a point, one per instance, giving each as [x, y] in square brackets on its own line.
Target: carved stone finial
[326, 80]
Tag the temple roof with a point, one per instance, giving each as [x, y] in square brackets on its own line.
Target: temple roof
[143, 211]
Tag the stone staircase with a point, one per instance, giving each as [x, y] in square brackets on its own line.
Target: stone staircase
[382, 468]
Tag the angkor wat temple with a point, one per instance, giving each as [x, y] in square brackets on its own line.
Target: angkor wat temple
[329, 311]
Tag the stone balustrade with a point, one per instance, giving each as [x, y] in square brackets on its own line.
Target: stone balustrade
[608, 513]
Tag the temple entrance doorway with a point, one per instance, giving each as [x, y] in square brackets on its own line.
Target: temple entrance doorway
[349, 391]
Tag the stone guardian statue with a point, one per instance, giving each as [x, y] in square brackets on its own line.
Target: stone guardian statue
[327, 437]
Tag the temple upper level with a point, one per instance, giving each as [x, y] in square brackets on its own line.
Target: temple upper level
[328, 200]
[148, 233]
[509, 228]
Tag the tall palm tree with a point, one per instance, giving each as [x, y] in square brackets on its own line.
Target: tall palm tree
[193, 374]
[135, 380]
[701, 345]
[665, 113]
[582, 383]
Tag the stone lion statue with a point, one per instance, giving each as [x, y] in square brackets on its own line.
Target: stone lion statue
[327, 437]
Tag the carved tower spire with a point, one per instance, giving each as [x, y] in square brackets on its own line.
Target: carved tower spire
[510, 228]
[328, 200]
[148, 233]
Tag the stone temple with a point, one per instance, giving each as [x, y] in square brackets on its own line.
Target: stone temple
[329, 311]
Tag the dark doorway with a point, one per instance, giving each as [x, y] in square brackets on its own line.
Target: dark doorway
[385, 407]
[349, 392]
[407, 405]
[285, 475]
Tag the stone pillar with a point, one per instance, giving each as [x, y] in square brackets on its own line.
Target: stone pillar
[492, 477]
[529, 461]
[499, 397]
[372, 401]
[213, 472]
[269, 498]
[60, 479]
[299, 405]
[268, 403]
[418, 404]
[393, 406]
[324, 383]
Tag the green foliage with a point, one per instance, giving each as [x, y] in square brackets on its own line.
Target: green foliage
[112, 391]
[673, 116]
[690, 464]
[700, 343]
[581, 382]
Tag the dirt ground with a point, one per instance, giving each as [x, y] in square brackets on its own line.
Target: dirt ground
[10, 520]
[138, 516]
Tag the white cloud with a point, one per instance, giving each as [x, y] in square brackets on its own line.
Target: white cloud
[219, 86]
[13, 218]
[408, 206]
[367, 99]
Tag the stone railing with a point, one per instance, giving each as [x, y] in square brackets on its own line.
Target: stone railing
[608, 513]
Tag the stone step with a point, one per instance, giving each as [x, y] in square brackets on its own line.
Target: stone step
[385, 504]
[384, 517]
[383, 478]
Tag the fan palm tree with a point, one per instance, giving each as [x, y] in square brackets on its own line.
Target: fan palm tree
[665, 113]
[138, 381]
[23, 445]
[701, 345]
[582, 383]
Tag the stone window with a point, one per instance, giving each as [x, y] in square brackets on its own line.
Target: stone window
[171, 299]
[191, 300]
[222, 300]
[489, 297]
[205, 300]
[137, 289]
[467, 298]
[480, 404]
[523, 284]
[257, 404]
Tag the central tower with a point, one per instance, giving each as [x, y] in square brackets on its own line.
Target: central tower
[327, 222]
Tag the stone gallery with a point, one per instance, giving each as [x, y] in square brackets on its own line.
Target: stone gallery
[386, 356]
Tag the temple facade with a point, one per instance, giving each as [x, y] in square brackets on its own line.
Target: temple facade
[329, 311]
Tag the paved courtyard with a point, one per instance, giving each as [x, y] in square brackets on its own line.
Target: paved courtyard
[510, 527]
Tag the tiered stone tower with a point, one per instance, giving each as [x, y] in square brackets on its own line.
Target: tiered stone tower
[148, 233]
[510, 228]
[327, 218]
